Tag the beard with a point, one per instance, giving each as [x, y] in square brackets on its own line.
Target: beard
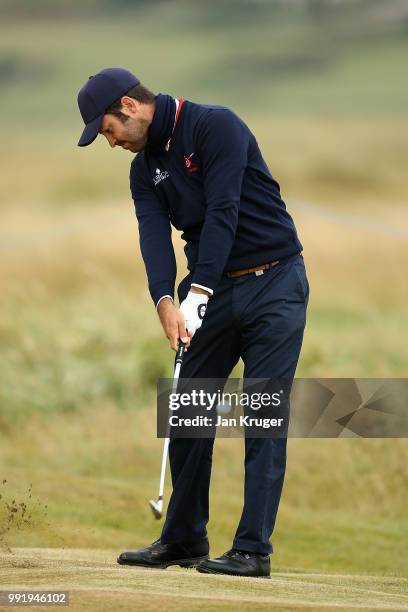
[135, 135]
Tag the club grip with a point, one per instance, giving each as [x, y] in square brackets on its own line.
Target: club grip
[180, 352]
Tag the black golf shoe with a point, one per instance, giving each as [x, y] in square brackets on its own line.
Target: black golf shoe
[238, 563]
[188, 554]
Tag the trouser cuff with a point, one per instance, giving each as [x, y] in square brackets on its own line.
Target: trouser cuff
[251, 546]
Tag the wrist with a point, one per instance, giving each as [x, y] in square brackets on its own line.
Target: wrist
[164, 304]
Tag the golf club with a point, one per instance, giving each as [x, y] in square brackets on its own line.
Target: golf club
[157, 506]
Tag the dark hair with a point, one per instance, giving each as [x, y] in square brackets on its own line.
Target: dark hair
[139, 93]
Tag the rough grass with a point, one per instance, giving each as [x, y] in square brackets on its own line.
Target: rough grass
[350, 163]
[77, 326]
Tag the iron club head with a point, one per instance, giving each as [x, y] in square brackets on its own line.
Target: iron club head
[157, 508]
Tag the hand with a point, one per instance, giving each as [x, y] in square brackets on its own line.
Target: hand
[172, 320]
[193, 309]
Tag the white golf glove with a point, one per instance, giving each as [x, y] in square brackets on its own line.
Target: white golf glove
[193, 309]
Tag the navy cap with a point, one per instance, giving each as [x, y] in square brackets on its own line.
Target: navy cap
[98, 93]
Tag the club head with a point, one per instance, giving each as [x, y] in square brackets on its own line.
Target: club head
[157, 508]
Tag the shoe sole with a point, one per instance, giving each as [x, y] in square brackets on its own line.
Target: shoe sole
[180, 562]
[204, 570]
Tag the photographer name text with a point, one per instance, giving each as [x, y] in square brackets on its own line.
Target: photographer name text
[242, 421]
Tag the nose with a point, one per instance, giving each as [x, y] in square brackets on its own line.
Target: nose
[111, 140]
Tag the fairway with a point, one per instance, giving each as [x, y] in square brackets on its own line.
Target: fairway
[95, 582]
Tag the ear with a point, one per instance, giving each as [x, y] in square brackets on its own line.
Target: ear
[130, 105]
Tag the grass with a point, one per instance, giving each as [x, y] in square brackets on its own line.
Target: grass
[85, 479]
[330, 128]
[349, 518]
[350, 164]
[287, 61]
[82, 346]
[63, 346]
[95, 583]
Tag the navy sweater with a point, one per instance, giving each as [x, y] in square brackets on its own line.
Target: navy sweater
[212, 184]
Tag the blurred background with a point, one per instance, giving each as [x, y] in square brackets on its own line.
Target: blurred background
[321, 84]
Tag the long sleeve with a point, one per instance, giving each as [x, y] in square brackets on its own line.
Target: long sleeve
[222, 144]
[154, 235]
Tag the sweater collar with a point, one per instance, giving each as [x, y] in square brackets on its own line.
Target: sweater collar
[161, 127]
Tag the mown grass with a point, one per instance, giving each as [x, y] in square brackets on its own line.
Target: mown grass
[95, 584]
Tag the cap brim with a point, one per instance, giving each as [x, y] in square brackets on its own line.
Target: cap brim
[90, 132]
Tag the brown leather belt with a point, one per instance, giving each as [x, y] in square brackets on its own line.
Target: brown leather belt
[258, 270]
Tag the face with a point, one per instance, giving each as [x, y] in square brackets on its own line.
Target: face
[132, 133]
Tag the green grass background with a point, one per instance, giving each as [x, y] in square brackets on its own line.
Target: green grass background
[325, 92]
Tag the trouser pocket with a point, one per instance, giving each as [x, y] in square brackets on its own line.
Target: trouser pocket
[303, 283]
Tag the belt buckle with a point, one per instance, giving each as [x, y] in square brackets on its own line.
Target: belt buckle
[258, 272]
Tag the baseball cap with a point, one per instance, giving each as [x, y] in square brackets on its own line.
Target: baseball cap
[98, 93]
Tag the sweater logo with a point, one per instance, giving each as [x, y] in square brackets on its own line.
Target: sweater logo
[190, 165]
[160, 176]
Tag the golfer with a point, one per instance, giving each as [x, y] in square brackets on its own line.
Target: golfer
[199, 169]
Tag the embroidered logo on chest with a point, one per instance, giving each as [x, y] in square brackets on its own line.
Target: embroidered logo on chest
[189, 164]
[160, 176]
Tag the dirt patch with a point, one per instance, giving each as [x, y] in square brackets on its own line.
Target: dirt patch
[17, 513]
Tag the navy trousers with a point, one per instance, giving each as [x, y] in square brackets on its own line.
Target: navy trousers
[260, 319]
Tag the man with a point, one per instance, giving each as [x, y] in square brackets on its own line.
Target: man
[199, 169]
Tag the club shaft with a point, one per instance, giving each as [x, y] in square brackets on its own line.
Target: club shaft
[178, 363]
